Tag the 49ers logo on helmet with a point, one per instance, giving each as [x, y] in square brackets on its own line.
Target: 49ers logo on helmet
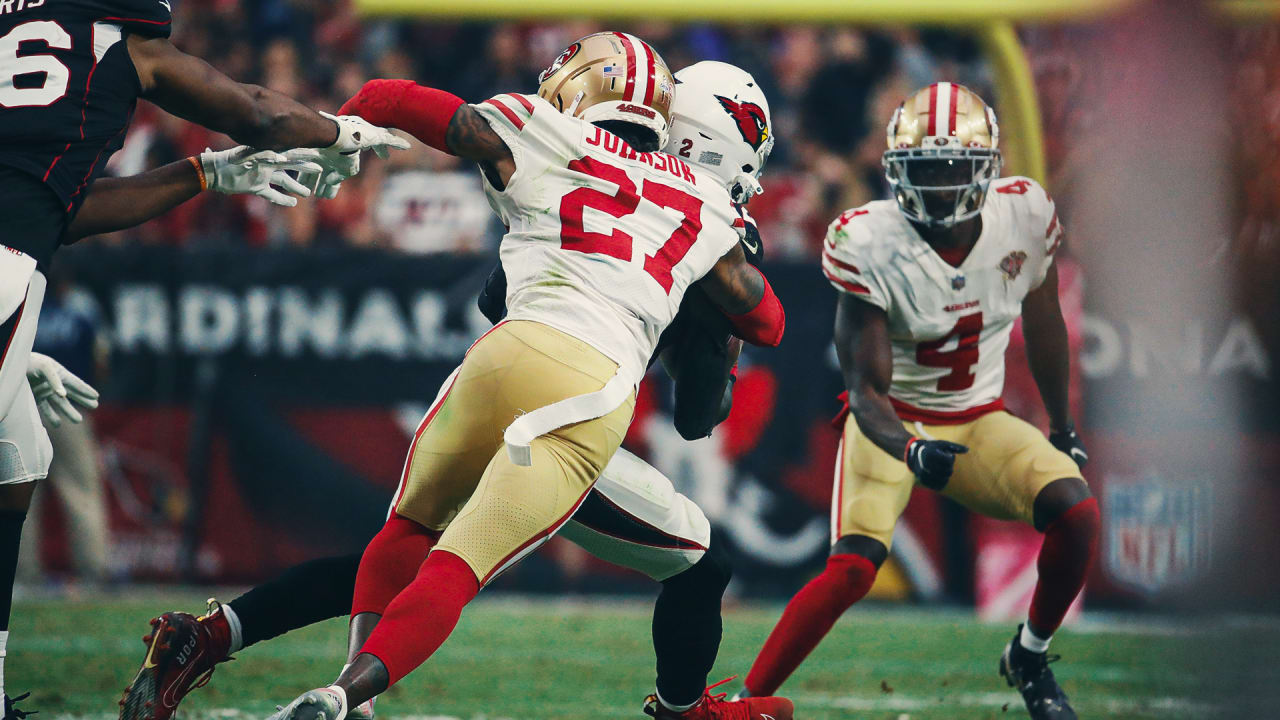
[565, 57]
[750, 119]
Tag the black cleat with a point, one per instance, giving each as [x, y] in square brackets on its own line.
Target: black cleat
[1029, 672]
[13, 713]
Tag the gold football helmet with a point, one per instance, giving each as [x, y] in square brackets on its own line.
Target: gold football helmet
[942, 154]
[611, 76]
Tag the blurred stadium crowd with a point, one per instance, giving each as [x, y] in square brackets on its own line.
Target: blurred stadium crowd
[830, 90]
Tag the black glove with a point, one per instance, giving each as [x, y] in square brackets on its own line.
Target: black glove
[932, 461]
[1069, 442]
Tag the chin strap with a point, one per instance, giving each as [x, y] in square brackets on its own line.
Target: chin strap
[744, 187]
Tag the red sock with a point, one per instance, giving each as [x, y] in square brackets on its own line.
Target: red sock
[808, 618]
[390, 563]
[1070, 544]
[421, 617]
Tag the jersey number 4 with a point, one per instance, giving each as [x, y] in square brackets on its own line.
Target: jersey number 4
[52, 86]
[961, 360]
[574, 236]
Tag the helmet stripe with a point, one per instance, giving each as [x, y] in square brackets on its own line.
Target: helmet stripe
[629, 93]
[955, 102]
[944, 108]
[932, 114]
[642, 77]
[651, 75]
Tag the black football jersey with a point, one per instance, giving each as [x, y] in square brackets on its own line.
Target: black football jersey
[68, 87]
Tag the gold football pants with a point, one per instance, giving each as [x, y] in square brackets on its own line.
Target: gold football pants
[458, 477]
[1009, 462]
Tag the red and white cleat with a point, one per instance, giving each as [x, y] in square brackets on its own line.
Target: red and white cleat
[715, 707]
[182, 650]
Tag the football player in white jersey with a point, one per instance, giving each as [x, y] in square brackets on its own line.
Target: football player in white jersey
[633, 517]
[930, 285]
[605, 235]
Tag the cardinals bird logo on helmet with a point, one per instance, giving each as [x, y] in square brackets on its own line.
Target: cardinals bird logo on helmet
[750, 118]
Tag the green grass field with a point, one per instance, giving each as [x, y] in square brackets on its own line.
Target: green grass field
[541, 660]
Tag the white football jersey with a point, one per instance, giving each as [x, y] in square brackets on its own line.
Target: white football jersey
[949, 326]
[602, 241]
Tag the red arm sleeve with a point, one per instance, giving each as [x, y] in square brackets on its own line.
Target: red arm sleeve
[420, 111]
[765, 324]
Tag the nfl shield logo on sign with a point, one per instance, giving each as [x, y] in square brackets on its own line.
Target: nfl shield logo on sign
[1158, 531]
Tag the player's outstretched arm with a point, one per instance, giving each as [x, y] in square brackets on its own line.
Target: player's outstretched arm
[744, 295]
[113, 204]
[192, 89]
[866, 359]
[438, 118]
[117, 203]
[1049, 357]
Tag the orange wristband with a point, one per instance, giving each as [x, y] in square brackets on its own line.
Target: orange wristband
[199, 166]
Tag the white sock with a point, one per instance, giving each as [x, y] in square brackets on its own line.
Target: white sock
[4, 642]
[342, 695]
[237, 635]
[675, 708]
[1029, 640]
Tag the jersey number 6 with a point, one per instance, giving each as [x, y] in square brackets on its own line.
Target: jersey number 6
[12, 66]
[574, 236]
[961, 360]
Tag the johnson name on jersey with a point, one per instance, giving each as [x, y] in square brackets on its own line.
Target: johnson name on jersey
[602, 240]
[67, 85]
[948, 326]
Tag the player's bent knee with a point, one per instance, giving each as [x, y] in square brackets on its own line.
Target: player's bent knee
[1057, 498]
[17, 496]
[716, 562]
[864, 546]
[710, 575]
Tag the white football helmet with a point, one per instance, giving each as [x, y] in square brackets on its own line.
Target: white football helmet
[720, 122]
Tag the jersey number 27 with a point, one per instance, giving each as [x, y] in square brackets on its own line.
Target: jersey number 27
[574, 236]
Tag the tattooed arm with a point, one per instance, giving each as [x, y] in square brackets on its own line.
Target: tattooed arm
[470, 136]
[744, 295]
[733, 284]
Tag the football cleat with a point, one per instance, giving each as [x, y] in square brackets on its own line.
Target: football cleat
[13, 713]
[182, 651]
[716, 707]
[1029, 672]
[318, 704]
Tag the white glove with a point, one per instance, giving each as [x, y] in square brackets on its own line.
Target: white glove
[341, 160]
[243, 170]
[58, 391]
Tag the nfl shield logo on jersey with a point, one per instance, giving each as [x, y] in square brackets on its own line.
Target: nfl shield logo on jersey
[957, 282]
[1158, 531]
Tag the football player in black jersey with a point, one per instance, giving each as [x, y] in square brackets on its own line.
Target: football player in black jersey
[71, 72]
